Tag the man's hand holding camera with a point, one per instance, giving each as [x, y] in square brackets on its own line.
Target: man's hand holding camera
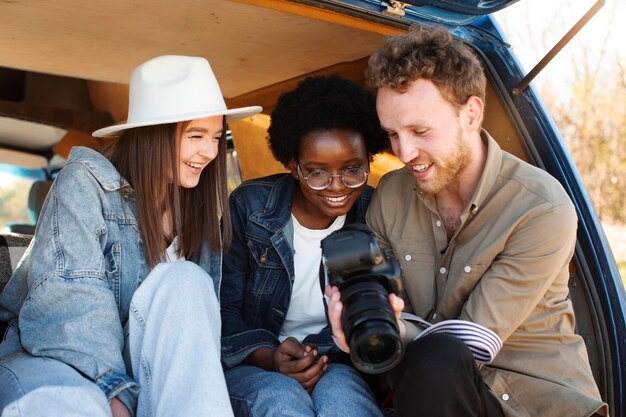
[335, 311]
[362, 281]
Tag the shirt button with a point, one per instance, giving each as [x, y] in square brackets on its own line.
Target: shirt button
[263, 258]
[505, 397]
[438, 223]
[474, 210]
[467, 269]
[434, 316]
[442, 270]
[407, 257]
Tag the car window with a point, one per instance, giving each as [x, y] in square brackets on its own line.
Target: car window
[15, 184]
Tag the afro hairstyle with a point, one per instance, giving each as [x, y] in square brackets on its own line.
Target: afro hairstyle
[321, 104]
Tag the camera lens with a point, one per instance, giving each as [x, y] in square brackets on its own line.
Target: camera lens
[370, 326]
[376, 350]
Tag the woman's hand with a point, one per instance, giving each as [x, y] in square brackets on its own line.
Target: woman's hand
[300, 362]
[118, 409]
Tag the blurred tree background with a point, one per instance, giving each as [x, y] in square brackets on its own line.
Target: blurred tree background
[584, 88]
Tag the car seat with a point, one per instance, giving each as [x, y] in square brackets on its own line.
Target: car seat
[36, 197]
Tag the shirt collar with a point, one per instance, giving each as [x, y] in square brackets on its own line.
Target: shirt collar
[490, 172]
[100, 167]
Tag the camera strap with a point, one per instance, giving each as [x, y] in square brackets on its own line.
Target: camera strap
[322, 276]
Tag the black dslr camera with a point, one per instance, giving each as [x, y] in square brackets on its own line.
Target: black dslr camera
[365, 275]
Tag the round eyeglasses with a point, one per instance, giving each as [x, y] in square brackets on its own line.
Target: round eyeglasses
[318, 179]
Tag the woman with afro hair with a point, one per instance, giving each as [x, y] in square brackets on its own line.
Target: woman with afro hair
[276, 345]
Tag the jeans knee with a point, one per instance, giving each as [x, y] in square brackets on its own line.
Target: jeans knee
[284, 384]
[11, 388]
[342, 391]
[86, 400]
[176, 293]
[339, 377]
[254, 392]
[191, 278]
[182, 281]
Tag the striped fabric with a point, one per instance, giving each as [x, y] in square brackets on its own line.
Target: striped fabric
[482, 342]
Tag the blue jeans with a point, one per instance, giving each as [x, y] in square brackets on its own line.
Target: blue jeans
[172, 347]
[255, 392]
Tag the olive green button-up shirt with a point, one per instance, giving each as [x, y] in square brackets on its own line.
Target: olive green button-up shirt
[506, 268]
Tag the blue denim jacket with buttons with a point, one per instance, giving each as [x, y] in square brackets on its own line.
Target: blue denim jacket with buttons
[258, 268]
[74, 285]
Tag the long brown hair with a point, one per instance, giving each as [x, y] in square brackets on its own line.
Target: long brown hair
[147, 157]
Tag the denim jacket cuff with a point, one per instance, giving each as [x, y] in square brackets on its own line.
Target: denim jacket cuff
[237, 347]
[117, 384]
[129, 398]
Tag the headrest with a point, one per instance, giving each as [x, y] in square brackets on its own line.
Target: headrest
[36, 197]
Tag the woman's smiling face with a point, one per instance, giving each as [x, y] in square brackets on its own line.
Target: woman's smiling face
[198, 146]
[334, 151]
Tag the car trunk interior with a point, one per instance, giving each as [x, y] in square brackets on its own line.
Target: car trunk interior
[68, 63]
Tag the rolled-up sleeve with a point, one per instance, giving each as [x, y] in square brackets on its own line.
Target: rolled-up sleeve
[238, 338]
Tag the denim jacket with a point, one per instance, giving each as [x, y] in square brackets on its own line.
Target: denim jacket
[73, 287]
[258, 268]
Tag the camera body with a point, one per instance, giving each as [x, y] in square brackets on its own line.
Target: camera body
[353, 261]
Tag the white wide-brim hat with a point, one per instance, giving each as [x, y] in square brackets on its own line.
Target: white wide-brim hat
[172, 88]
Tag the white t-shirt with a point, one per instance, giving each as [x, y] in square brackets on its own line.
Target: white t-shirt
[306, 309]
[170, 252]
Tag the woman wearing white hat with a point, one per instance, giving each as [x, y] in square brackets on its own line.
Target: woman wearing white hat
[117, 294]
